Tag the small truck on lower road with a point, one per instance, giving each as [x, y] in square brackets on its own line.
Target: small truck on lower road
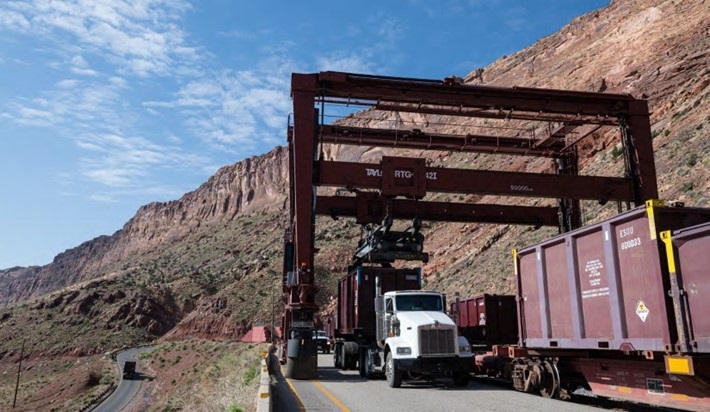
[129, 369]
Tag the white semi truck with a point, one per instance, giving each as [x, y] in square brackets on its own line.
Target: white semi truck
[403, 333]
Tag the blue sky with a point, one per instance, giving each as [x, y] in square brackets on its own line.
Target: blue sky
[106, 105]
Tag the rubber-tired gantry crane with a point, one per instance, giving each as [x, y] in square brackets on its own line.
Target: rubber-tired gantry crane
[396, 187]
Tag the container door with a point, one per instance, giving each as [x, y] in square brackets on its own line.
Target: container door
[694, 267]
[558, 291]
[642, 284]
[593, 278]
[529, 293]
[463, 313]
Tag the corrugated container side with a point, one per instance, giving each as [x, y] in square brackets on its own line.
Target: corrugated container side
[533, 312]
[465, 319]
[502, 319]
[692, 266]
[472, 311]
[356, 296]
[604, 286]
[488, 319]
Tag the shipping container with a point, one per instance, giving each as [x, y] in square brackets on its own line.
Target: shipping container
[688, 252]
[356, 296]
[487, 319]
[604, 286]
[329, 326]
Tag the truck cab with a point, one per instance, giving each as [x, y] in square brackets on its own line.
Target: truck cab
[384, 324]
[416, 338]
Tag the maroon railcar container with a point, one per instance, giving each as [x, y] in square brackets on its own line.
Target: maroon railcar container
[487, 319]
[356, 296]
[604, 286]
[689, 266]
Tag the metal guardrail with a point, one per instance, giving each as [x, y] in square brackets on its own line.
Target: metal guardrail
[99, 399]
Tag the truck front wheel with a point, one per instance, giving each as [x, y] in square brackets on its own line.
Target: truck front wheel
[362, 364]
[461, 378]
[392, 373]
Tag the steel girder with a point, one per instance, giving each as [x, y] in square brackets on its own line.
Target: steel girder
[447, 97]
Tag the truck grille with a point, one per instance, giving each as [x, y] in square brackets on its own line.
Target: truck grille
[436, 342]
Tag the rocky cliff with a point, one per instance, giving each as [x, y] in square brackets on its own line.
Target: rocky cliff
[208, 264]
[221, 240]
[257, 184]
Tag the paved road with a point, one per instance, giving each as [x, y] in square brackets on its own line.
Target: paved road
[127, 390]
[337, 390]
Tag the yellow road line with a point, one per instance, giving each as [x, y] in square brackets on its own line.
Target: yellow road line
[293, 391]
[331, 397]
[321, 388]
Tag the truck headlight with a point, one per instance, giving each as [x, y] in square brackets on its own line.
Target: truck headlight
[464, 348]
[404, 350]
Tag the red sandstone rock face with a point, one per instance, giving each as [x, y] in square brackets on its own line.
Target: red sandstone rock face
[658, 49]
[254, 184]
[210, 320]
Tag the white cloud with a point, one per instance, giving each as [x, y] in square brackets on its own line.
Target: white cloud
[345, 62]
[72, 104]
[123, 161]
[81, 67]
[67, 84]
[113, 176]
[233, 110]
[140, 37]
[13, 20]
[152, 192]
[103, 197]
[94, 115]
[29, 116]
[84, 72]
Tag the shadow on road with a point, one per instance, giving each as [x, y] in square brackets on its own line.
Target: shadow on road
[333, 374]
[282, 398]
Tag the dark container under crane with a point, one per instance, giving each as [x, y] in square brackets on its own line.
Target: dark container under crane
[487, 319]
[355, 321]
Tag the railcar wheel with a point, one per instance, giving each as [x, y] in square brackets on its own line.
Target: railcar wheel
[550, 380]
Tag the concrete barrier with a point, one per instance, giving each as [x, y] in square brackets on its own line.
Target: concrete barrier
[263, 398]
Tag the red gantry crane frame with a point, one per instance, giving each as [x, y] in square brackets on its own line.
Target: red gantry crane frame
[398, 184]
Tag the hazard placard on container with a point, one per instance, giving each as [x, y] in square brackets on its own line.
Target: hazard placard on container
[642, 310]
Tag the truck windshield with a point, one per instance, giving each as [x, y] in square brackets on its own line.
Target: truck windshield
[410, 303]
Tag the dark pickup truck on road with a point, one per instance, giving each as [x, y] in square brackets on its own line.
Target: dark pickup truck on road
[129, 369]
[322, 340]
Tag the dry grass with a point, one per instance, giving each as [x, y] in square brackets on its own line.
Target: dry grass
[55, 383]
[204, 376]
